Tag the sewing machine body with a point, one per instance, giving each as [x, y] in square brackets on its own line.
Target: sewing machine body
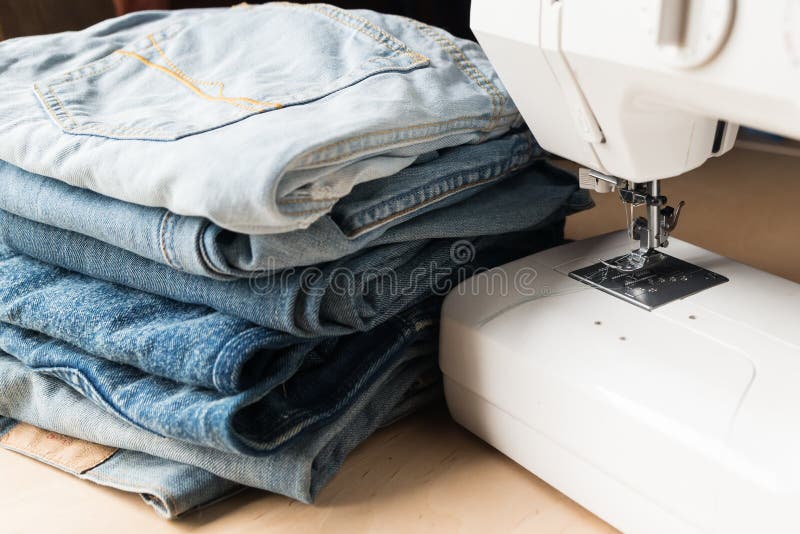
[685, 418]
[662, 394]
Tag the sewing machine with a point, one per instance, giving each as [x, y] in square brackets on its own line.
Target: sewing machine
[654, 382]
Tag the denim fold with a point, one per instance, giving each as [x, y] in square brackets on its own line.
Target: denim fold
[266, 417]
[299, 472]
[170, 488]
[355, 293]
[369, 215]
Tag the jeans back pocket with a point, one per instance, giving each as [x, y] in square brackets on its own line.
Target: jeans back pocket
[211, 71]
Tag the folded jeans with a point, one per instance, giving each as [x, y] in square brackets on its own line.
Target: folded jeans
[336, 98]
[170, 488]
[355, 293]
[278, 408]
[369, 215]
[300, 471]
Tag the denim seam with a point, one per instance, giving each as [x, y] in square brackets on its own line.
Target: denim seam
[469, 68]
[90, 69]
[109, 61]
[238, 102]
[170, 241]
[220, 85]
[159, 135]
[521, 156]
[343, 18]
[203, 253]
[53, 110]
[307, 199]
[57, 113]
[93, 394]
[69, 78]
[436, 198]
[307, 212]
[405, 142]
[162, 231]
[178, 70]
[337, 14]
[167, 495]
[223, 367]
[308, 158]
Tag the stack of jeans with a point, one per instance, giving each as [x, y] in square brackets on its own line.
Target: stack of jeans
[225, 235]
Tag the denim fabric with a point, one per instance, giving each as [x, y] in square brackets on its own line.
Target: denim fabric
[367, 214]
[170, 109]
[170, 488]
[190, 344]
[299, 471]
[355, 293]
[258, 420]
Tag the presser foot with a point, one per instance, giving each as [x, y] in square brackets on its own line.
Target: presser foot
[634, 261]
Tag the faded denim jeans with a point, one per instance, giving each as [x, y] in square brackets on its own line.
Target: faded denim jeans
[258, 118]
[355, 293]
[379, 212]
[197, 375]
[176, 477]
[170, 488]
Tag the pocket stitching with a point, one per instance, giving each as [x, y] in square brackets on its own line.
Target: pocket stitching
[199, 92]
[59, 104]
[177, 70]
[220, 85]
[69, 78]
[342, 17]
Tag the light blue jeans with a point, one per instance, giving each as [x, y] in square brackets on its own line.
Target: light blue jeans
[259, 118]
[379, 212]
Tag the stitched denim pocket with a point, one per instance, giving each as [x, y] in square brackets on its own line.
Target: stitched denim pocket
[191, 78]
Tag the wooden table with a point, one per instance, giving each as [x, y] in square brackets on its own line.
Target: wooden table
[424, 474]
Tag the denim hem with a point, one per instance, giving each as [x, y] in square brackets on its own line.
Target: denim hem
[371, 142]
[519, 161]
[233, 358]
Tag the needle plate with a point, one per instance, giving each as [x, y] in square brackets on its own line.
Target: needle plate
[659, 283]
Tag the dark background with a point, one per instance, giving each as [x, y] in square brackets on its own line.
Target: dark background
[28, 17]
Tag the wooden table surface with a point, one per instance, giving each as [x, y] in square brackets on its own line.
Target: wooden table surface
[426, 474]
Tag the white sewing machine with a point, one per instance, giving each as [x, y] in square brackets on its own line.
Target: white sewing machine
[658, 387]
